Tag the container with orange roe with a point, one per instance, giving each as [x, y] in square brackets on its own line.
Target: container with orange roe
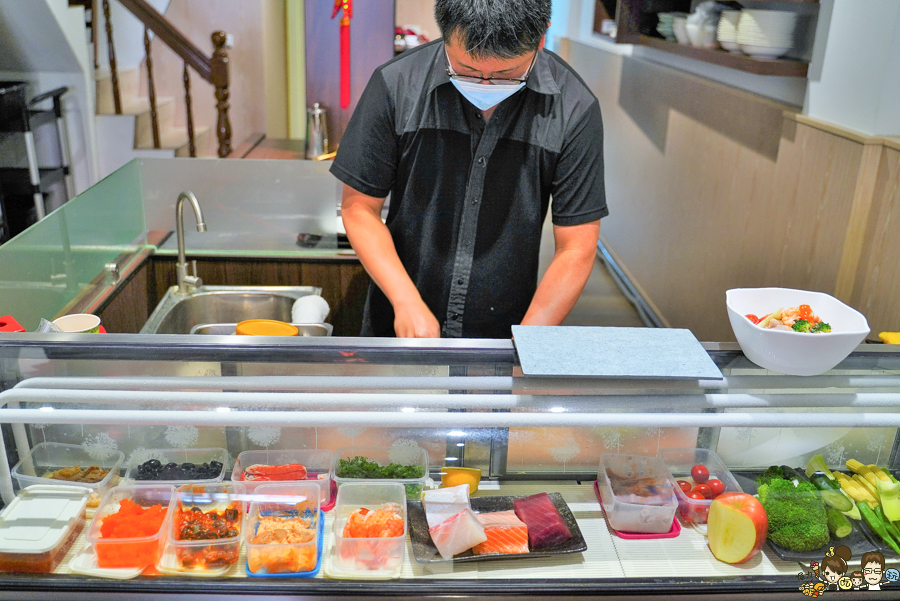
[127, 529]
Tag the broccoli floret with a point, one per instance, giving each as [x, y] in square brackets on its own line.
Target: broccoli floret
[801, 325]
[772, 473]
[821, 327]
[797, 519]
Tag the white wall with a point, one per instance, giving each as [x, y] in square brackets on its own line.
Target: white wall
[856, 67]
[128, 35]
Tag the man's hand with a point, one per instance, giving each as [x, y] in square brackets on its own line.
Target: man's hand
[375, 248]
[568, 272]
[415, 320]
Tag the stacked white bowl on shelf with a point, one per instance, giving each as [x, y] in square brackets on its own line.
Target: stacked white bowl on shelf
[727, 31]
[665, 25]
[766, 33]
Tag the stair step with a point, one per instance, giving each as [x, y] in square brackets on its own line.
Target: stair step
[176, 139]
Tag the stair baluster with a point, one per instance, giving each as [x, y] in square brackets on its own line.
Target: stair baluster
[111, 49]
[189, 112]
[151, 91]
[219, 78]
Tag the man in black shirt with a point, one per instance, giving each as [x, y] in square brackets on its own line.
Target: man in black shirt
[472, 135]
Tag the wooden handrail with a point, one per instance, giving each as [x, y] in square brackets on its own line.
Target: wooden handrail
[170, 36]
[213, 69]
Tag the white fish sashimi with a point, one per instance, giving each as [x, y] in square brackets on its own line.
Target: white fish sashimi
[460, 533]
[443, 503]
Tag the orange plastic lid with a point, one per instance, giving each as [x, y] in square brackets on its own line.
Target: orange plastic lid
[266, 327]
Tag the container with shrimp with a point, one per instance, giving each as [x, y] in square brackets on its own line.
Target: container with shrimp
[284, 530]
[369, 527]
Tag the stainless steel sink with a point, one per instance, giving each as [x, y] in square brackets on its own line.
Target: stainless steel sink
[226, 329]
[178, 313]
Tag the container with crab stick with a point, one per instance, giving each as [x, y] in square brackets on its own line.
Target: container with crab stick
[285, 530]
[370, 527]
[256, 468]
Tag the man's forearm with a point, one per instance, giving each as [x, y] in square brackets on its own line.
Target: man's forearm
[560, 287]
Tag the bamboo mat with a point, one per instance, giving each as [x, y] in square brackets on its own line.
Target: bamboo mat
[607, 556]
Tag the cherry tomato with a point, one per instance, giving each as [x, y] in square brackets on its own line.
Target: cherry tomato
[704, 490]
[685, 486]
[700, 474]
[696, 495]
[717, 486]
[753, 318]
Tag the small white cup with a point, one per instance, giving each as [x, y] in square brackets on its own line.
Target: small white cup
[79, 323]
[310, 309]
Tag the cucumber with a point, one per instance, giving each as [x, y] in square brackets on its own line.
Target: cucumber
[837, 523]
[823, 482]
[835, 499]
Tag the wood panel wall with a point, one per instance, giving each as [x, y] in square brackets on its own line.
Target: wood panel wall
[712, 188]
[129, 309]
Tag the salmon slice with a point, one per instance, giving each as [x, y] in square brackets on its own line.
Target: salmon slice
[290, 471]
[506, 534]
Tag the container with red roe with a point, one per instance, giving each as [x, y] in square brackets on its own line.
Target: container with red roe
[127, 530]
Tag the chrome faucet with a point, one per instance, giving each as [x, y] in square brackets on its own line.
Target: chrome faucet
[186, 283]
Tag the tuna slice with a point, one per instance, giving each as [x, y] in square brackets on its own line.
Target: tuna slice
[545, 526]
[461, 532]
[505, 534]
[443, 503]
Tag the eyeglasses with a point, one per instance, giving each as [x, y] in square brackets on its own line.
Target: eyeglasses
[871, 571]
[497, 81]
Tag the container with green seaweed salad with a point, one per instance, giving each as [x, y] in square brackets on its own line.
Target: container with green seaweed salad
[407, 465]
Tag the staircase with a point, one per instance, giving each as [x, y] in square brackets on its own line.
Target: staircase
[139, 123]
[130, 135]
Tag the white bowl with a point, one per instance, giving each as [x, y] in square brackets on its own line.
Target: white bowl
[680, 31]
[764, 51]
[794, 353]
[730, 46]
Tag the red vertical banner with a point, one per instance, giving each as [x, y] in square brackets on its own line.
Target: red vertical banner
[347, 7]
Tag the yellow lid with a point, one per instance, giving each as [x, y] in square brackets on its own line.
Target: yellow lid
[266, 327]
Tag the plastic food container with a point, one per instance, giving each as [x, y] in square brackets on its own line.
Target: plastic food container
[179, 456]
[47, 457]
[373, 556]
[637, 492]
[39, 526]
[680, 462]
[296, 504]
[384, 456]
[317, 462]
[225, 498]
[131, 552]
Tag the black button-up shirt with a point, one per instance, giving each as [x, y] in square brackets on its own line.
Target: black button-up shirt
[469, 197]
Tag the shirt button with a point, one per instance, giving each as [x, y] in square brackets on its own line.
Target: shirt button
[459, 281]
[474, 201]
[478, 115]
[481, 160]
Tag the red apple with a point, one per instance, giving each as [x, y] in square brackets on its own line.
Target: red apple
[737, 527]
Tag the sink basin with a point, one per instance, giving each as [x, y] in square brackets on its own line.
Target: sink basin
[226, 329]
[177, 314]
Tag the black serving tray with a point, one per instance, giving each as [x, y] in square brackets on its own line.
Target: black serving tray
[858, 541]
[425, 551]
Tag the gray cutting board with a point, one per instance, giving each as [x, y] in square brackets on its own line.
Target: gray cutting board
[612, 352]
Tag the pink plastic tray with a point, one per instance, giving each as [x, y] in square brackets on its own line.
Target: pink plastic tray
[675, 531]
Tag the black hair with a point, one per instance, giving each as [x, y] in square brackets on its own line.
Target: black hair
[494, 28]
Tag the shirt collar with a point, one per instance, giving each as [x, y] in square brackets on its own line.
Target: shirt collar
[540, 80]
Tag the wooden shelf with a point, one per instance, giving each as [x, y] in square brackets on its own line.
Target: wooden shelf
[741, 62]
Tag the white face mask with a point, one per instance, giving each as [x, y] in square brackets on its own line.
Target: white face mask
[485, 96]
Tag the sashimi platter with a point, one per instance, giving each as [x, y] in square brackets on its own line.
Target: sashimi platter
[449, 526]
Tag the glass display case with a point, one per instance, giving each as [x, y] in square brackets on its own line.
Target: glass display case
[466, 403]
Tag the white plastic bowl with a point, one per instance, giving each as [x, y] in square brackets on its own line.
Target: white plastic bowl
[794, 353]
[763, 51]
